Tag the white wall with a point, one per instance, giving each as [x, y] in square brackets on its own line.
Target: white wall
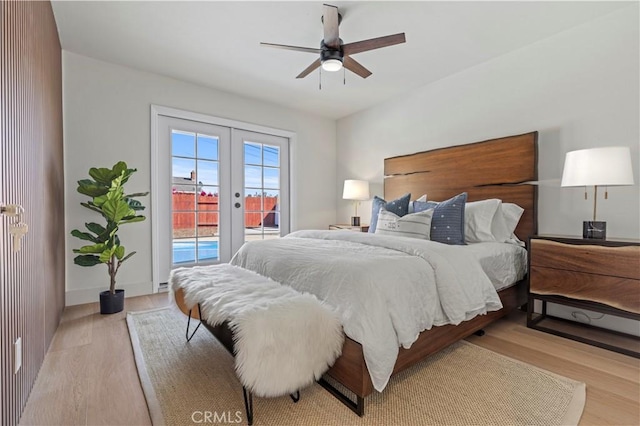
[579, 89]
[107, 119]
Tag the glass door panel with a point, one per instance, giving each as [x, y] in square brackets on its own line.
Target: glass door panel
[259, 211]
[265, 173]
[192, 221]
[195, 201]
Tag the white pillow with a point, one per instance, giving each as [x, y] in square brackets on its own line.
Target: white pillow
[512, 214]
[414, 225]
[479, 217]
[505, 224]
[491, 220]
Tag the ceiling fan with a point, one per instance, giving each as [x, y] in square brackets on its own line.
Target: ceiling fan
[334, 54]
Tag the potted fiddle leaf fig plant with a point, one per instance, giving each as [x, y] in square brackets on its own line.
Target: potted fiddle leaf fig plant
[108, 198]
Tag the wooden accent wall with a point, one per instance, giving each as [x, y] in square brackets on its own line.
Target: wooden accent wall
[31, 174]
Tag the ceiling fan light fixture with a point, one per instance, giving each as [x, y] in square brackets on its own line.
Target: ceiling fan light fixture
[334, 54]
[332, 65]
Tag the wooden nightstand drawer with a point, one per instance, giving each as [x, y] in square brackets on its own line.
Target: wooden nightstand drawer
[591, 275]
[621, 293]
[590, 259]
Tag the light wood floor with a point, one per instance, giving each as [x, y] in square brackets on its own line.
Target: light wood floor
[89, 376]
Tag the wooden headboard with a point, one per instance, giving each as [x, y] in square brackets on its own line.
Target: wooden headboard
[489, 169]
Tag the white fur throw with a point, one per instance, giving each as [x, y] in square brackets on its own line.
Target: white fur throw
[284, 340]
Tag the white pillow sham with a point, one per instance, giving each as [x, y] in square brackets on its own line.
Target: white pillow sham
[491, 220]
[512, 214]
[479, 217]
[414, 225]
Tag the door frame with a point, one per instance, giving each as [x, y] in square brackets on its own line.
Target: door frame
[159, 110]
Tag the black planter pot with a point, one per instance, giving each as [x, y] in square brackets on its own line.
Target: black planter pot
[111, 303]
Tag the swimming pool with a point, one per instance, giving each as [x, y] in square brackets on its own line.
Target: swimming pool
[185, 251]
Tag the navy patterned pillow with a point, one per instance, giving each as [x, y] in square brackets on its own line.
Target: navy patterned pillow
[447, 225]
[399, 206]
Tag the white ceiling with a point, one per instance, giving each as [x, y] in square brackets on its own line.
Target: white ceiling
[216, 44]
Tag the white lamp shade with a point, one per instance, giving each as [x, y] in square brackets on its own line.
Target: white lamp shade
[355, 190]
[598, 166]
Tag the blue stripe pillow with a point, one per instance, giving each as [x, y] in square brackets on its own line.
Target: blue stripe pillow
[399, 206]
[447, 224]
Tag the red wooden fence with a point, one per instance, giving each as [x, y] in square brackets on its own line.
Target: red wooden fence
[255, 215]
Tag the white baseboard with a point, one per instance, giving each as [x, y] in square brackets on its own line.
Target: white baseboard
[90, 295]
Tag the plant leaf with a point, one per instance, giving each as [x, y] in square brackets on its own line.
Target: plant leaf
[123, 171]
[105, 256]
[87, 260]
[119, 168]
[84, 236]
[128, 256]
[92, 249]
[102, 175]
[99, 201]
[91, 188]
[132, 219]
[119, 252]
[117, 209]
[91, 207]
[96, 228]
[101, 232]
[137, 194]
[135, 204]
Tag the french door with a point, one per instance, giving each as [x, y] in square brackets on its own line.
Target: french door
[260, 187]
[221, 186]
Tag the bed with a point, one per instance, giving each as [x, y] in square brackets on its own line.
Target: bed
[498, 168]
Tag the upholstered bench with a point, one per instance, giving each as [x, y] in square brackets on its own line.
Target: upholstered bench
[282, 340]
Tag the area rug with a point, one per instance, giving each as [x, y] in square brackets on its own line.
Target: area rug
[194, 383]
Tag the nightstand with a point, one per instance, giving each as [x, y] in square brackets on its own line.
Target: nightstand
[361, 228]
[595, 275]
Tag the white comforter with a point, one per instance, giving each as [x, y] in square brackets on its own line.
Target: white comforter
[386, 289]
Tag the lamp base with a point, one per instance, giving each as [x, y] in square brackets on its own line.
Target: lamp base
[355, 220]
[594, 230]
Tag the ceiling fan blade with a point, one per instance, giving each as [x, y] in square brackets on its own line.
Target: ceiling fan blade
[355, 67]
[373, 43]
[330, 23]
[297, 48]
[315, 65]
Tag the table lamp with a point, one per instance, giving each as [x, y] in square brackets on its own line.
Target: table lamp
[356, 190]
[595, 167]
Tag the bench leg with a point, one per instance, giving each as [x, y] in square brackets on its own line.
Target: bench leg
[189, 337]
[248, 405]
